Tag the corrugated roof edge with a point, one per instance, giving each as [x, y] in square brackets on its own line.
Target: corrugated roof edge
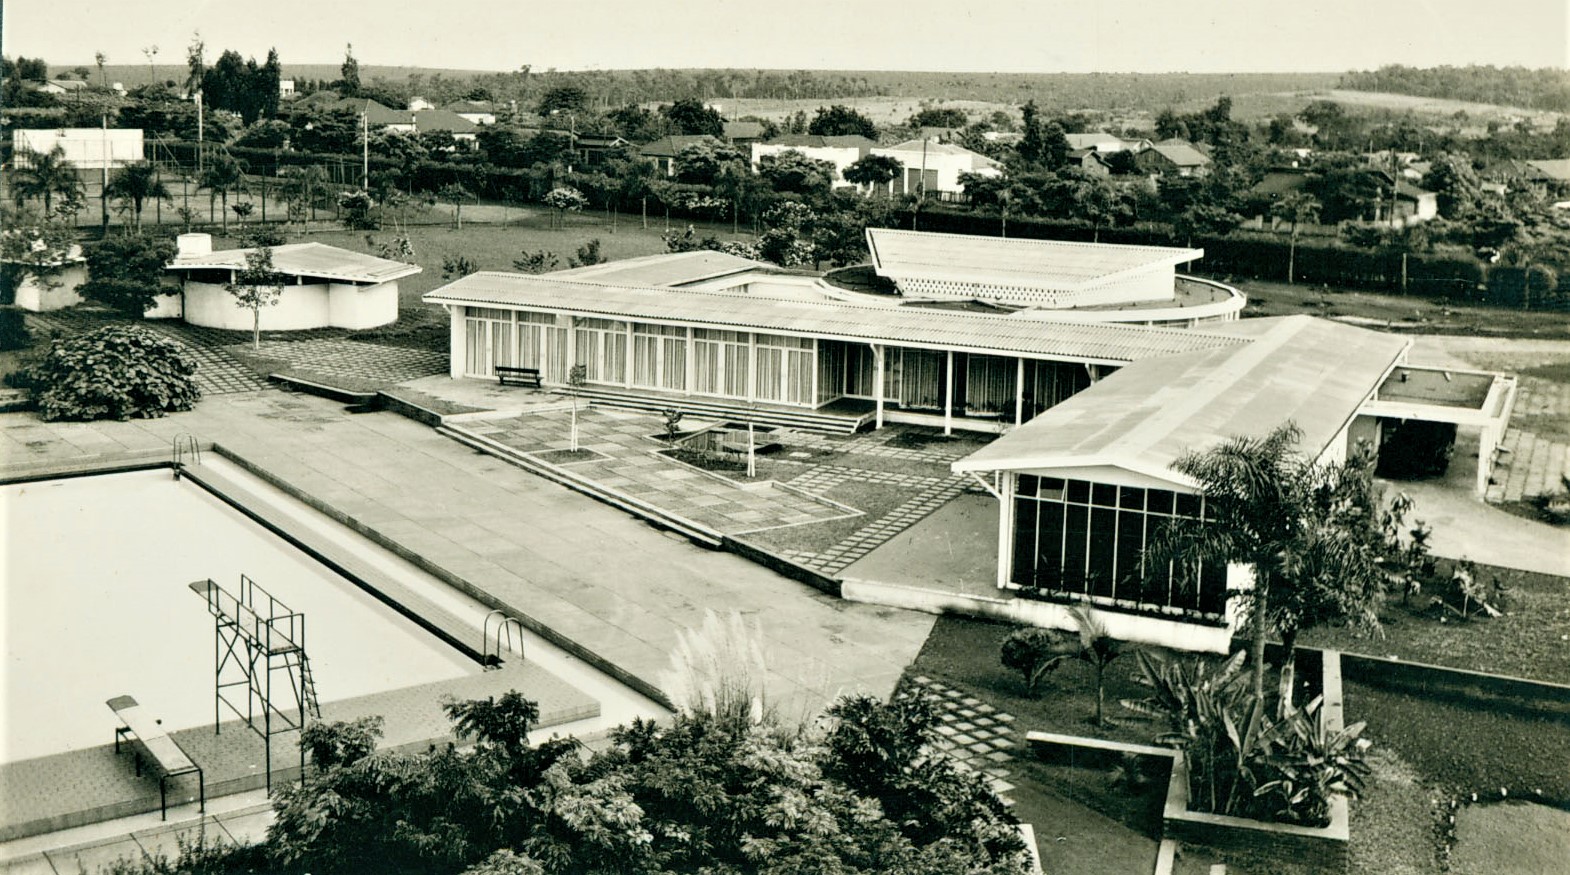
[454, 293]
[209, 262]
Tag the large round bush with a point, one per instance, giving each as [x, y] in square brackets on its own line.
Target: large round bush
[119, 372]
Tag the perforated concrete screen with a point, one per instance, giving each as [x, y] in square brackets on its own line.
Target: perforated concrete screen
[1037, 273]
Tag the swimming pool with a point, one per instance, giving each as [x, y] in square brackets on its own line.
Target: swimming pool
[96, 604]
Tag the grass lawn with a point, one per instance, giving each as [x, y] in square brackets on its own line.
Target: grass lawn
[1531, 640]
[1404, 313]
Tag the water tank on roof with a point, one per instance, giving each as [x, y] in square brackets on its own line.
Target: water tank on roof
[194, 244]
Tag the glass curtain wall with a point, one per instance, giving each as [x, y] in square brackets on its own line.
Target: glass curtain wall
[1085, 540]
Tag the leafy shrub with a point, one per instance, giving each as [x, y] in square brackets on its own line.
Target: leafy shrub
[118, 372]
[1240, 761]
[13, 329]
[1036, 653]
[257, 236]
[126, 272]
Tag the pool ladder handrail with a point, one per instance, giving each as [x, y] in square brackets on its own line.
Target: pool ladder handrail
[185, 444]
[505, 623]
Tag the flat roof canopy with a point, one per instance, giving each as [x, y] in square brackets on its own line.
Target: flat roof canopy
[306, 259]
[998, 261]
[1142, 418]
[830, 319]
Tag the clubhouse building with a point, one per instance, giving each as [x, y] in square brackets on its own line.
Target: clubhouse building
[1097, 364]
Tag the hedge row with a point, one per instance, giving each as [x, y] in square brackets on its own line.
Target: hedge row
[1264, 257]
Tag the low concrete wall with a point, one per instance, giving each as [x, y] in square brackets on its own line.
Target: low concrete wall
[318, 305]
[782, 566]
[40, 298]
[1126, 627]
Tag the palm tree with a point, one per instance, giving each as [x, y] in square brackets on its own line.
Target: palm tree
[1097, 648]
[1308, 533]
[136, 182]
[1296, 207]
[223, 174]
[44, 175]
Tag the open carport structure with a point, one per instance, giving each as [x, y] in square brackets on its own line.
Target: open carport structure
[1475, 399]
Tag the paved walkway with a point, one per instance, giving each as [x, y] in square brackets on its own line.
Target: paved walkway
[621, 453]
[977, 736]
[353, 358]
[613, 585]
[927, 495]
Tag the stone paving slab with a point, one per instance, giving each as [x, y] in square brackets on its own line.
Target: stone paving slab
[976, 740]
[353, 358]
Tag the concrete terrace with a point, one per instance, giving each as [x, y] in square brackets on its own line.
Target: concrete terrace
[613, 585]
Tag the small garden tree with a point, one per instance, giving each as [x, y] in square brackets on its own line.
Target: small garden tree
[1035, 653]
[126, 272]
[1295, 208]
[357, 209]
[118, 372]
[258, 285]
[577, 378]
[564, 199]
[874, 171]
[455, 192]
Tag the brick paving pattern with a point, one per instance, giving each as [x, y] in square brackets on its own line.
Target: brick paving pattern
[630, 466]
[354, 358]
[975, 735]
[931, 494]
[217, 372]
[1538, 441]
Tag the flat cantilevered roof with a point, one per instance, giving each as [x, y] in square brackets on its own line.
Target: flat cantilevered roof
[1143, 417]
[829, 319]
[306, 260]
[1011, 262]
[667, 269]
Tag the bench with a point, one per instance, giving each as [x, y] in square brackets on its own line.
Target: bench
[161, 749]
[508, 376]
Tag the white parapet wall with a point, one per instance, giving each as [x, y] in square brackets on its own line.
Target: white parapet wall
[57, 294]
[315, 305]
[1140, 629]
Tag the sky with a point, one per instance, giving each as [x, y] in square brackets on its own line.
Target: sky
[1040, 36]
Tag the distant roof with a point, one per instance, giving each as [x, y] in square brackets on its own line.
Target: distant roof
[68, 84]
[1281, 181]
[443, 120]
[1092, 140]
[671, 146]
[375, 113]
[1013, 261]
[978, 161]
[307, 260]
[666, 269]
[474, 106]
[743, 130]
[1407, 189]
[1180, 153]
[1556, 169]
[819, 141]
[829, 319]
[1143, 417]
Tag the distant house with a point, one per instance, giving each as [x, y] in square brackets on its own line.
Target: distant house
[743, 134]
[595, 148]
[379, 117]
[1090, 161]
[1279, 182]
[1172, 158]
[325, 287]
[1415, 204]
[841, 151]
[479, 112]
[1098, 141]
[430, 120]
[663, 151]
[1554, 173]
[285, 88]
[62, 86]
[935, 167]
[1009, 138]
[418, 103]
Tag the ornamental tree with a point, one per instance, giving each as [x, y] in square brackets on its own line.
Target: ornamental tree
[119, 372]
[255, 287]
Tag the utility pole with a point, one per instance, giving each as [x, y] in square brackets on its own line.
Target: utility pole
[365, 155]
[104, 191]
[200, 147]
